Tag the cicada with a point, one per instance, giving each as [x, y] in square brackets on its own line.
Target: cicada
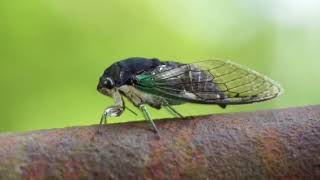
[160, 84]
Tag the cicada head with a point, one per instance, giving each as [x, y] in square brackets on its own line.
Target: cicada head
[106, 85]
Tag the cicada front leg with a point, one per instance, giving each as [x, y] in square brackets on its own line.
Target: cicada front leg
[112, 111]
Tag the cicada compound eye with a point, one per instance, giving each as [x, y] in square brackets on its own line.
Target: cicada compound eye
[108, 83]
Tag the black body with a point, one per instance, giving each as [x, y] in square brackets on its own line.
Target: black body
[124, 71]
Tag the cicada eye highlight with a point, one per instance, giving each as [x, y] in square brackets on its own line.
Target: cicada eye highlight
[108, 83]
[105, 83]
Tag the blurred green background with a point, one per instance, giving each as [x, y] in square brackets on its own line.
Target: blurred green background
[52, 52]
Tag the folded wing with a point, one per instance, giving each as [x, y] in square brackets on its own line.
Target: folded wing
[211, 81]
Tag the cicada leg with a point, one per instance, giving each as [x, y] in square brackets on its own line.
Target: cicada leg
[132, 111]
[148, 117]
[110, 112]
[171, 109]
[102, 120]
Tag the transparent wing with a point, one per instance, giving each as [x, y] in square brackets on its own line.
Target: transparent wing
[211, 81]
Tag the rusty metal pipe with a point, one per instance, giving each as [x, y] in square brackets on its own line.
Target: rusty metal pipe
[274, 144]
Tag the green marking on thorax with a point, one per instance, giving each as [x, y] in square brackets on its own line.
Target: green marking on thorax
[146, 80]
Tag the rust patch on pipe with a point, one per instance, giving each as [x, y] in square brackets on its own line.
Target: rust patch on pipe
[272, 151]
[180, 158]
